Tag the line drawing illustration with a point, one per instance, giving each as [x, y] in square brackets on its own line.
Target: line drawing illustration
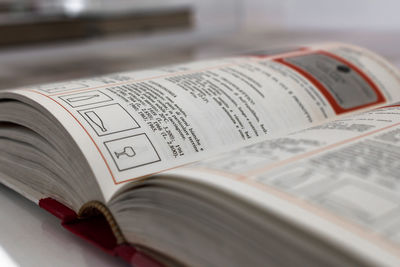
[85, 98]
[92, 115]
[131, 152]
[61, 87]
[108, 119]
[128, 151]
[81, 98]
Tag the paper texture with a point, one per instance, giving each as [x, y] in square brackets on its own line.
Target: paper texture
[129, 125]
[345, 172]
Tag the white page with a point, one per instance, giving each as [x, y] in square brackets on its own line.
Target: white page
[345, 172]
[133, 124]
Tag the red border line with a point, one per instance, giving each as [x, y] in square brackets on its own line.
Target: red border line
[179, 73]
[316, 151]
[389, 106]
[49, 96]
[332, 101]
[344, 222]
[97, 147]
[282, 54]
[336, 219]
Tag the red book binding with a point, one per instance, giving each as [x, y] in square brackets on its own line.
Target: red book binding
[97, 231]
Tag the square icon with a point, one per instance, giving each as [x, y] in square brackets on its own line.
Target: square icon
[132, 151]
[62, 87]
[109, 119]
[85, 98]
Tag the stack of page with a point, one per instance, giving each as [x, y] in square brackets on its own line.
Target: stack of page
[285, 157]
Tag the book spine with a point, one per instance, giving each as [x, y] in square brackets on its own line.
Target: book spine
[95, 224]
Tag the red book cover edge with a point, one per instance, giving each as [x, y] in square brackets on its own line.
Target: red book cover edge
[97, 231]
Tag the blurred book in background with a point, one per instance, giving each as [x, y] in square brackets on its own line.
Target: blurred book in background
[25, 22]
[53, 40]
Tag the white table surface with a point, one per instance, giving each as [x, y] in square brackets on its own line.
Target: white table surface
[30, 236]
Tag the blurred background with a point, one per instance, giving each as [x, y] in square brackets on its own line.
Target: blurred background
[51, 40]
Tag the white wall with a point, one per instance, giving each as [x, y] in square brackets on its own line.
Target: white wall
[322, 14]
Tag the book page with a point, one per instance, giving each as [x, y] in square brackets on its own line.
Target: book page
[133, 124]
[345, 172]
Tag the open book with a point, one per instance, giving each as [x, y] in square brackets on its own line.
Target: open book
[289, 158]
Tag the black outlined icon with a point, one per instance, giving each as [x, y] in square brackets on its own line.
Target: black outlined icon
[128, 152]
[81, 98]
[62, 87]
[93, 117]
[85, 98]
[343, 68]
[132, 152]
[109, 119]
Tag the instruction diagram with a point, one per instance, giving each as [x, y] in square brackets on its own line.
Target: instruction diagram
[128, 152]
[109, 119]
[85, 98]
[61, 87]
[96, 120]
[132, 151]
[342, 83]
